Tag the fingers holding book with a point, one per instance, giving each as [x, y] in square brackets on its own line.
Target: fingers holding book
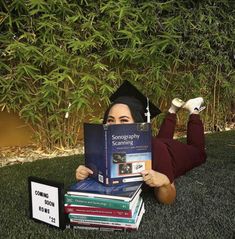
[148, 177]
[82, 172]
[154, 179]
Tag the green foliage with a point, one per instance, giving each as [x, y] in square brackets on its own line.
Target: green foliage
[58, 52]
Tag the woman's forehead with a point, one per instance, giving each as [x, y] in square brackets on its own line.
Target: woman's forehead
[120, 109]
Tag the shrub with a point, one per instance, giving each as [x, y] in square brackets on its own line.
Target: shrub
[58, 52]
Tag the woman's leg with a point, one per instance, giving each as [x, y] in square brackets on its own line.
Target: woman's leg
[181, 156]
[195, 134]
[174, 158]
[167, 128]
[195, 129]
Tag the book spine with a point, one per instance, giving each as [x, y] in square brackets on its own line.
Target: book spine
[102, 223]
[102, 219]
[100, 227]
[98, 211]
[134, 226]
[106, 182]
[97, 202]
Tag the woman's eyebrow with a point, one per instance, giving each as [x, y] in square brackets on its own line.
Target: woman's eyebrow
[124, 116]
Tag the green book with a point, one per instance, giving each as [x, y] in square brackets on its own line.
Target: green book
[101, 202]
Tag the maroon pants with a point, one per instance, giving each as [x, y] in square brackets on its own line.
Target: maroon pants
[174, 158]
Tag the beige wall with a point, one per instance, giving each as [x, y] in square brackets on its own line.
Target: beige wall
[13, 130]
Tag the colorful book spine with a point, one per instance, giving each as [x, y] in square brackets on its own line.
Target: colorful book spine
[109, 219]
[97, 202]
[99, 224]
[84, 226]
[97, 211]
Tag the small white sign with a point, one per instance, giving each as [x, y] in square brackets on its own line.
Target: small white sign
[46, 201]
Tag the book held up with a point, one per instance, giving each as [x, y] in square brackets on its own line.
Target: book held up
[117, 153]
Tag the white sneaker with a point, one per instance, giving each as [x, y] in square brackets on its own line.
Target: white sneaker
[194, 105]
[178, 103]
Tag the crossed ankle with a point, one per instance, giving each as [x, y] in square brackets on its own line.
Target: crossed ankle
[194, 105]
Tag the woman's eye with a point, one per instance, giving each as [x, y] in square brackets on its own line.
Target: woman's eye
[123, 121]
[109, 121]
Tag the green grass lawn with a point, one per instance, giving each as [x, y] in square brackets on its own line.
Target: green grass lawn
[204, 207]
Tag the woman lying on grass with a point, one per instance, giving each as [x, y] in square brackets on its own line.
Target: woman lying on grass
[170, 158]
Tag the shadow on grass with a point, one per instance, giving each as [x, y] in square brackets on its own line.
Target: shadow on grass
[204, 207]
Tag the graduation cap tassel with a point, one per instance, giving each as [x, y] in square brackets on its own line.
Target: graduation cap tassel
[147, 114]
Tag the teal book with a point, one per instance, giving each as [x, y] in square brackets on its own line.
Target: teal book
[117, 153]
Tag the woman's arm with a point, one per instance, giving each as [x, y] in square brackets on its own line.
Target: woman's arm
[165, 194]
[164, 191]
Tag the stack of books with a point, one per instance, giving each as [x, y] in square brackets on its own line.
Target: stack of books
[91, 205]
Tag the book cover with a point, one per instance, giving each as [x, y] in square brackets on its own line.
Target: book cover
[91, 188]
[101, 202]
[91, 218]
[117, 153]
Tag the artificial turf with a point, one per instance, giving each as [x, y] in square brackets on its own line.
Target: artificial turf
[204, 207]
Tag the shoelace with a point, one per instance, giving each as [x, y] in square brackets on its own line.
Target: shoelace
[201, 108]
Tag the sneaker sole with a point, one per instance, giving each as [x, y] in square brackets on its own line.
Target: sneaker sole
[178, 103]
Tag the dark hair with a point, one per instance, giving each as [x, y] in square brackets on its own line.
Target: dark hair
[135, 106]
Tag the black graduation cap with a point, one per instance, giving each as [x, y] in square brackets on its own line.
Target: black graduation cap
[130, 91]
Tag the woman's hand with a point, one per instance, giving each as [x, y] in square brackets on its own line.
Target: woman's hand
[82, 172]
[155, 179]
[164, 190]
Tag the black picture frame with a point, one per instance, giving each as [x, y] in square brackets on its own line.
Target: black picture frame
[54, 184]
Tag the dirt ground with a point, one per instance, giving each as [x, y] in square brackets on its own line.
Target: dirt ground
[21, 154]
